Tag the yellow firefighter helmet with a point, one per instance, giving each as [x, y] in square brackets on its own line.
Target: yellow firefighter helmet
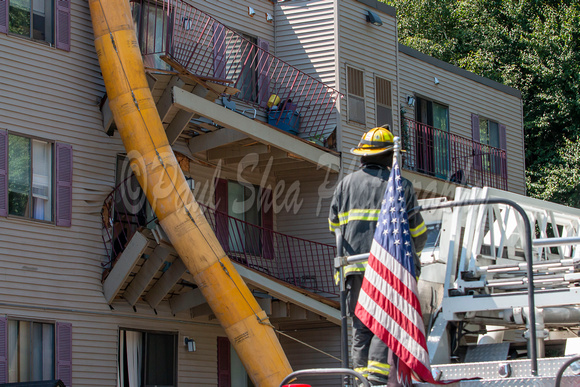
[375, 141]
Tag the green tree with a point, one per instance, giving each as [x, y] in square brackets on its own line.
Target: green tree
[529, 45]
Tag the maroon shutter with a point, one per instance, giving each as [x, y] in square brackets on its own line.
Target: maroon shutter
[224, 365]
[267, 224]
[503, 146]
[4, 16]
[477, 151]
[3, 173]
[64, 175]
[62, 12]
[263, 71]
[3, 350]
[64, 352]
[221, 216]
[219, 51]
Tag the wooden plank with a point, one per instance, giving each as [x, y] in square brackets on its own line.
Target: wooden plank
[124, 266]
[146, 274]
[237, 151]
[108, 119]
[287, 294]
[256, 130]
[165, 283]
[165, 103]
[177, 125]
[186, 301]
[215, 139]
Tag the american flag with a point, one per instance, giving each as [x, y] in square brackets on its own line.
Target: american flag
[388, 303]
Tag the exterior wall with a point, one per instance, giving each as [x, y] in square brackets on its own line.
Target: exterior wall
[235, 15]
[465, 93]
[305, 37]
[372, 49]
[301, 357]
[309, 220]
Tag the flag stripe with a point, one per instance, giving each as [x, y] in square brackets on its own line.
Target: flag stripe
[398, 277]
[396, 308]
[397, 346]
[382, 293]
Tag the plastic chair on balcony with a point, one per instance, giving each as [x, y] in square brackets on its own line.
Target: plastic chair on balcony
[229, 104]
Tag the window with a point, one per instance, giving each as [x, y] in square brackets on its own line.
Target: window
[231, 372]
[432, 137]
[356, 95]
[35, 179]
[243, 205]
[490, 145]
[147, 359]
[29, 178]
[152, 23]
[42, 20]
[384, 102]
[243, 59]
[35, 351]
[243, 223]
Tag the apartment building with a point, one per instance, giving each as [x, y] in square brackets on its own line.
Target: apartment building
[262, 101]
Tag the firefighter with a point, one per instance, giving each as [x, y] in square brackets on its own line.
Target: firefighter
[355, 210]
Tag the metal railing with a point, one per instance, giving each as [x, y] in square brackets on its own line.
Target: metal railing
[124, 212]
[296, 261]
[300, 262]
[211, 51]
[451, 157]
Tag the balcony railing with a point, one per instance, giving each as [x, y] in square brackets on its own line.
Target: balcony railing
[453, 158]
[209, 50]
[299, 262]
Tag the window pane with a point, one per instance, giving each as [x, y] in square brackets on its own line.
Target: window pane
[236, 208]
[440, 117]
[42, 180]
[19, 14]
[18, 175]
[13, 351]
[48, 361]
[24, 350]
[160, 360]
[483, 131]
[42, 20]
[493, 134]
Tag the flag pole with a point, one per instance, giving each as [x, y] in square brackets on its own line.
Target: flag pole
[396, 149]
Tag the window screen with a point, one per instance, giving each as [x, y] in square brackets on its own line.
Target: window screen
[356, 96]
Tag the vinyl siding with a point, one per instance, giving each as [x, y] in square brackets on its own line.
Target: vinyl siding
[371, 49]
[305, 38]
[235, 16]
[95, 340]
[309, 220]
[301, 357]
[465, 96]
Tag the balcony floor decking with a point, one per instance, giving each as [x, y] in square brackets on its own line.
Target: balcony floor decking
[150, 270]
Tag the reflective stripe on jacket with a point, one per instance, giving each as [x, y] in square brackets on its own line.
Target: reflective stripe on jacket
[355, 209]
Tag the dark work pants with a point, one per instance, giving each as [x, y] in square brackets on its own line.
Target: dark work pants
[368, 349]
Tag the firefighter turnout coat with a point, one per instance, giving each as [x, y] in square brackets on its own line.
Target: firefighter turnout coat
[355, 209]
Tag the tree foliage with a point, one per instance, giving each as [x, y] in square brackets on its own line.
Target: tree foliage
[530, 45]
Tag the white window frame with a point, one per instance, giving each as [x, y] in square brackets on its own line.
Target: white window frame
[387, 105]
[51, 182]
[351, 97]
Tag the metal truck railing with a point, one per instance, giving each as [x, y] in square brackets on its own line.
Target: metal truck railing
[451, 157]
[211, 51]
[296, 261]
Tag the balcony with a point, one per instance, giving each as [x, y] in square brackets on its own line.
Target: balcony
[298, 263]
[176, 37]
[453, 158]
